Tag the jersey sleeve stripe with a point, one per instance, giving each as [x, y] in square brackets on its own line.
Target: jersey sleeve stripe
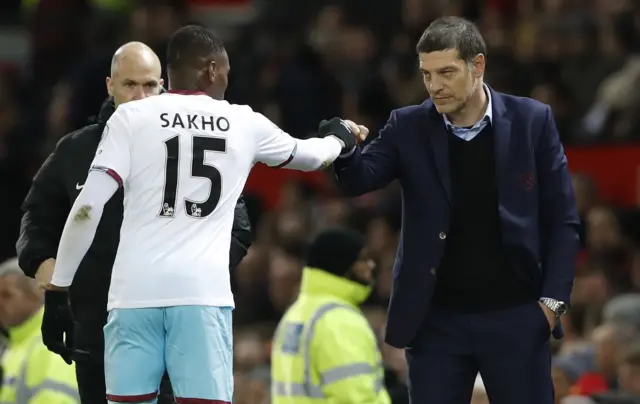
[109, 171]
[291, 156]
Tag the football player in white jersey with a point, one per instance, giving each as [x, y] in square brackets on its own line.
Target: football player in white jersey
[183, 159]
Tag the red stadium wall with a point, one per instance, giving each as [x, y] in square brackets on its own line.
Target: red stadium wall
[267, 182]
[616, 170]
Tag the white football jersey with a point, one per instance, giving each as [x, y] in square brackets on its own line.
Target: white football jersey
[183, 160]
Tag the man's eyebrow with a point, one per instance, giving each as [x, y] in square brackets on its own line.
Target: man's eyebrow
[440, 70]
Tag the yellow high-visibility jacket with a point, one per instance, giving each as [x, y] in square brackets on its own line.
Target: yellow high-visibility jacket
[33, 374]
[324, 350]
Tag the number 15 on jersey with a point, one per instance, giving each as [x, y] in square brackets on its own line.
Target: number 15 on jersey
[201, 144]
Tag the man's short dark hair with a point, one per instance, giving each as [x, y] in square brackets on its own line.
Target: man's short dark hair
[453, 33]
[192, 45]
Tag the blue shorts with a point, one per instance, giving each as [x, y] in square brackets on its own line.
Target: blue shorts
[193, 343]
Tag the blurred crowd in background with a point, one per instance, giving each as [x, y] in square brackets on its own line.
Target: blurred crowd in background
[302, 61]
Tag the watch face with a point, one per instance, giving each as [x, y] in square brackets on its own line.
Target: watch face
[562, 309]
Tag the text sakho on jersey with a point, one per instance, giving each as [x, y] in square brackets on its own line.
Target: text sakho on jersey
[195, 121]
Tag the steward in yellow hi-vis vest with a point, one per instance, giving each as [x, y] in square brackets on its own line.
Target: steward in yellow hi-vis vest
[324, 350]
[30, 373]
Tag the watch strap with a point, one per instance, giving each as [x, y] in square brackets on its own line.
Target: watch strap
[556, 306]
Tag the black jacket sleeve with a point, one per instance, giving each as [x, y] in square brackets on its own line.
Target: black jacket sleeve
[240, 234]
[45, 208]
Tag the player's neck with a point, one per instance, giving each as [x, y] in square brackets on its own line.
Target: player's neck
[178, 84]
[184, 88]
[473, 110]
[190, 89]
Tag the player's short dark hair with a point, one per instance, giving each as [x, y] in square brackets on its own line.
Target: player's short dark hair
[453, 33]
[192, 45]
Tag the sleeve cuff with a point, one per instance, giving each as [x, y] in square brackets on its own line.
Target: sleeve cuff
[112, 173]
[349, 153]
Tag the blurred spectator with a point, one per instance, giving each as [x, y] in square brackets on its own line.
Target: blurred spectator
[629, 370]
[565, 372]
[255, 388]
[623, 309]
[249, 350]
[610, 340]
[285, 272]
[31, 374]
[603, 229]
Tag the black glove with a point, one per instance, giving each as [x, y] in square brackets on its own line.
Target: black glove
[57, 324]
[338, 128]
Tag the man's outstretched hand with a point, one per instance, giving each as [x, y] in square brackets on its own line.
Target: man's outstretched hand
[361, 131]
[57, 324]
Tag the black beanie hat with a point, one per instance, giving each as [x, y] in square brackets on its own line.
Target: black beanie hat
[335, 250]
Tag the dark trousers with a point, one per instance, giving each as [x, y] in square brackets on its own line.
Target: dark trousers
[89, 359]
[509, 347]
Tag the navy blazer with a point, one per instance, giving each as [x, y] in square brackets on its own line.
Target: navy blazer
[539, 220]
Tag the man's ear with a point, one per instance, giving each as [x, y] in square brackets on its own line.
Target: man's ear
[212, 71]
[109, 83]
[479, 64]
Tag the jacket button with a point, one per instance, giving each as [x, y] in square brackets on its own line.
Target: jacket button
[442, 235]
[433, 271]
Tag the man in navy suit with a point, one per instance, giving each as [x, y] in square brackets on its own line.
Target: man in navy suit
[484, 267]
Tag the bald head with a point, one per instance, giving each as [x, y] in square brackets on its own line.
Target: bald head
[135, 73]
[134, 54]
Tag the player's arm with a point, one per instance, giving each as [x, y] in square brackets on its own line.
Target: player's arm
[372, 168]
[45, 210]
[240, 234]
[278, 149]
[109, 170]
[342, 349]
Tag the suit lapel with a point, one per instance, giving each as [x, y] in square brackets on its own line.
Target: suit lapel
[502, 137]
[439, 141]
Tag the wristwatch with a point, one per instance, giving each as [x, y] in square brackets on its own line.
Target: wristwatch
[556, 306]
